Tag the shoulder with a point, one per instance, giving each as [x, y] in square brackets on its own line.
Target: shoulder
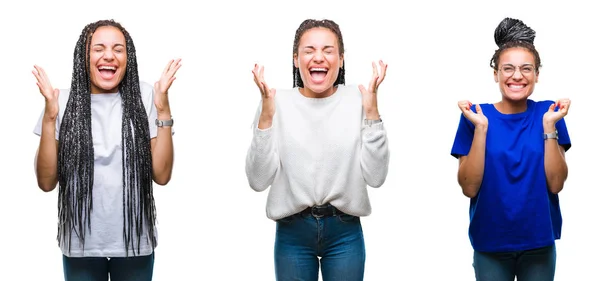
[146, 90]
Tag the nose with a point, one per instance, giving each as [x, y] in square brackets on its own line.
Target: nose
[519, 75]
[108, 55]
[318, 57]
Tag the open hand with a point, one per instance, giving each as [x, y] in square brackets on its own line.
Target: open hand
[50, 94]
[161, 87]
[369, 95]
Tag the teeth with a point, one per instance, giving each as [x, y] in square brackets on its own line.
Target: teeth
[318, 69]
[516, 86]
[107, 67]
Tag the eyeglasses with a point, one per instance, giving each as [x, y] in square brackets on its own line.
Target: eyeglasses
[509, 69]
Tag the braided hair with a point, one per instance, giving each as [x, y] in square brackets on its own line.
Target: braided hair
[76, 151]
[513, 33]
[305, 26]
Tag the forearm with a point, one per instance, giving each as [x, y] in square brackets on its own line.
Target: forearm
[555, 164]
[375, 154]
[472, 166]
[262, 160]
[162, 153]
[46, 162]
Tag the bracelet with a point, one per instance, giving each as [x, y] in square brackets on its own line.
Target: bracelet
[369, 123]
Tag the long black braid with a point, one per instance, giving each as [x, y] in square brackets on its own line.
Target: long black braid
[76, 152]
[305, 26]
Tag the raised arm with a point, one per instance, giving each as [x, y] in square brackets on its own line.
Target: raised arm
[262, 159]
[46, 157]
[555, 163]
[375, 154]
[162, 145]
[472, 165]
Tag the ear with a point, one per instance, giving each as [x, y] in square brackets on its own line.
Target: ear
[341, 60]
[496, 75]
[296, 60]
[537, 75]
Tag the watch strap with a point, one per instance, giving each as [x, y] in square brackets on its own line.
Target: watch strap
[553, 135]
[163, 123]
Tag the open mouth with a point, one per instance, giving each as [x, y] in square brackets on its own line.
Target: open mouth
[318, 74]
[107, 71]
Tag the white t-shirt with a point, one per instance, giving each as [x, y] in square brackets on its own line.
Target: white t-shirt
[106, 236]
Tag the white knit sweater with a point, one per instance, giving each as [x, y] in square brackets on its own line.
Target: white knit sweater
[317, 151]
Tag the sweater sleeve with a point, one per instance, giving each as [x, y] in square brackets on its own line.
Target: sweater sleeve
[375, 154]
[262, 159]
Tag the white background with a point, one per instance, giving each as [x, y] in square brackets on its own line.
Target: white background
[212, 226]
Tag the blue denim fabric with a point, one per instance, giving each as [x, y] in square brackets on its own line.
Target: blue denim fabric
[530, 265]
[303, 243]
[99, 268]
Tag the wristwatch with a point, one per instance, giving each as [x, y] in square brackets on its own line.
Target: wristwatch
[553, 135]
[369, 122]
[162, 123]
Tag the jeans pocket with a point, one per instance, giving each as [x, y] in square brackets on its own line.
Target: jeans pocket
[345, 218]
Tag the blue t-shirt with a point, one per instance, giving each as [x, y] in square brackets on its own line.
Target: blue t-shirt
[514, 210]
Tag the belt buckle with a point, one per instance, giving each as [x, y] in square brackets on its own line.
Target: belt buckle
[312, 211]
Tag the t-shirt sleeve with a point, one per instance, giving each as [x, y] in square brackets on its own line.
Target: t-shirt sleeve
[463, 138]
[563, 134]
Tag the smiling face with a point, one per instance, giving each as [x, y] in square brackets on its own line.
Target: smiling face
[517, 74]
[108, 59]
[319, 60]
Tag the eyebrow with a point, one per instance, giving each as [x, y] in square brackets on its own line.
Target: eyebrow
[102, 45]
[312, 47]
[510, 64]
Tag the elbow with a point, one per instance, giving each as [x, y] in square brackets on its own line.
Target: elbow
[162, 180]
[258, 186]
[46, 186]
[376, 183]
[556, 186]
[469, 190]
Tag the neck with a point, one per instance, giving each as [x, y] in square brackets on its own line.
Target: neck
[311, 94]
[511, 107]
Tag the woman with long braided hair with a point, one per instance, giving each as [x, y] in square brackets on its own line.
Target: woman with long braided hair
[318, 146]
[104, 142]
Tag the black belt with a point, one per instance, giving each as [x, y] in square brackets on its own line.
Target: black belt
[322, 211]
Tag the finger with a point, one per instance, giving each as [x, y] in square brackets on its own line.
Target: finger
[167, 68]
[478, 109]
[362, 89]
[373, 84]
[383, 71]
[174, 67]
[261, 73]
[551, 107]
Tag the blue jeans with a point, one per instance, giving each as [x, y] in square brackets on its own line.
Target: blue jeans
[338, 240]
[530, 265]
[98, 269]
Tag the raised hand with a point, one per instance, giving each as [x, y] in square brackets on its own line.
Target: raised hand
[556, 111]
[50, 94]
[267, 94]
[477, 118]
[161, 87]
[369, 96]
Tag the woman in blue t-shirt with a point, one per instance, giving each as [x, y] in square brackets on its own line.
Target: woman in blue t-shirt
[512, 166]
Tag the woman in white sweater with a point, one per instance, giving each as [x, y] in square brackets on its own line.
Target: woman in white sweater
[318, 146]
